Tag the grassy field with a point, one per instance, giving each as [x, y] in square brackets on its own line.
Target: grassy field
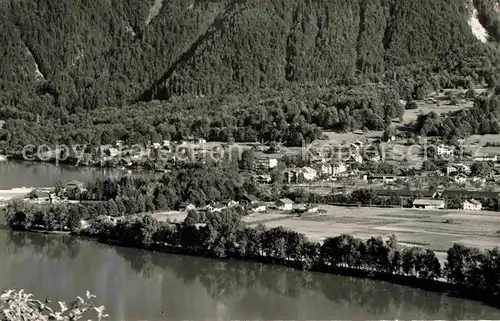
[437, 230]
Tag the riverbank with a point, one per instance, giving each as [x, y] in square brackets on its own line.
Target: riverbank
[311, 259]
[438, 286]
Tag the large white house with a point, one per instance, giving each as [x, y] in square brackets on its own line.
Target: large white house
[333, 169]
[444, 151]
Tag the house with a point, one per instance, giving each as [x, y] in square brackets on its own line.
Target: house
[292, 175]
[333, 169]
[357, 145]
[258, 208]
[229, 203]
[112, 152]
[451, 169]
[472, 205]
[119, 143]
[156, 145]
[263, 179]
[444, 151]
[428, 204]
[354, 158]
[284, 204]
[297, 175]
[266, 163]
[186, 207]
[249, 199]
[217, 207]
[479, 180]
[309, 173]
[312, 208]
[74, 184]
[383, 178]
[463, 168]
[460, 179]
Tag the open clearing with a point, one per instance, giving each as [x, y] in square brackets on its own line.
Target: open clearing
[437, 230]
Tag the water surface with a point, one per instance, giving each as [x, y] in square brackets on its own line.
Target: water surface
[140, 285]
[32, 174]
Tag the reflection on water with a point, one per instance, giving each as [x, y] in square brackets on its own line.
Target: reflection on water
[31, 174]
[135, 284]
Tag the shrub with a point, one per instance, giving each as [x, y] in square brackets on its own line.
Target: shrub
[19, 305]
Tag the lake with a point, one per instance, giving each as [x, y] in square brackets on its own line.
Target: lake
[140, 285]
[33, 174]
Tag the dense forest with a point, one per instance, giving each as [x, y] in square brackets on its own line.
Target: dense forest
[96, 71]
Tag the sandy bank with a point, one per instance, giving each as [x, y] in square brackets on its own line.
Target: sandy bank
[9, 194]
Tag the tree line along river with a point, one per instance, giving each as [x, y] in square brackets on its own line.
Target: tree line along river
[140, 285]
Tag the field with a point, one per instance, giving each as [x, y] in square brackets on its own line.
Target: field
[434, 229]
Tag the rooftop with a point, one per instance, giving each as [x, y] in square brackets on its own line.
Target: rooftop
[428, 202]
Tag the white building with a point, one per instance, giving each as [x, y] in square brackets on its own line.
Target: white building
[309, 173]
[428, 204]
[451, 169]
[285, 204]
[472, 205]
[267, 163]
[334, 169]
[444, 151]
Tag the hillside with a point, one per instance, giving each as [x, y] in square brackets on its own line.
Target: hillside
[63, 58]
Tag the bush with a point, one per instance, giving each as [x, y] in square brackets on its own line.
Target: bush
[411, 105]
[19, 305]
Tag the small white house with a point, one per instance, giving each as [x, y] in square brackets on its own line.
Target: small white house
[309, 173]
[472, 205]
[259, 208]
[284, 204]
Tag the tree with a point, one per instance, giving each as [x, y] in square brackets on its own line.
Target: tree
[74, 218]
[456, 264]
[428, 266]
[148, 227]
[160, 202]
[112, 208]
[411, 104]
[388, 133]
[247, 161]
[480, 169]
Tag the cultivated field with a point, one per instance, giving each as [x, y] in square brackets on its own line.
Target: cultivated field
[436, 230]
[170, 216]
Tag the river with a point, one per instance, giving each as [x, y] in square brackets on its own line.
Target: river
[140, 285]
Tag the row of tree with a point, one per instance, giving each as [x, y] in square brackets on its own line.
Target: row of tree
[223, 235]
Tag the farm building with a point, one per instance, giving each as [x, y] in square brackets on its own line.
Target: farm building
[285, 204]
[428, 204]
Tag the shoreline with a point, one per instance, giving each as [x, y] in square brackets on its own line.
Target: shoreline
[437, 286]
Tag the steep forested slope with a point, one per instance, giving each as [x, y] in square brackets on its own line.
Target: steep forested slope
[64, 63]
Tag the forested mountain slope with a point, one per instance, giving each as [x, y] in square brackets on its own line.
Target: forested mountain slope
[60, 60]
